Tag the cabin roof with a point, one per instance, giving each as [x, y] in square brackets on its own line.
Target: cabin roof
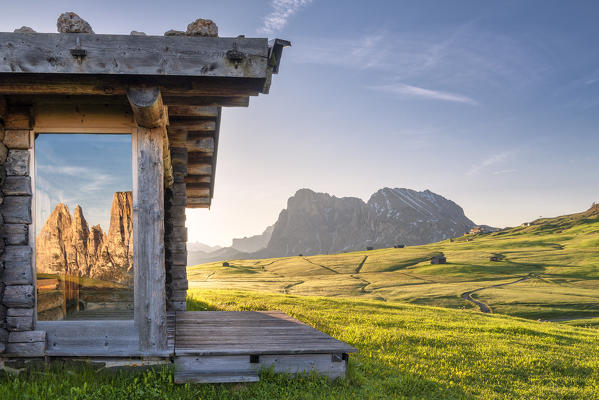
[196, 77]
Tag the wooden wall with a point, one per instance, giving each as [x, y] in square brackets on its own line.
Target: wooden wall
[17, 286]
[175, 201]
[18, 336]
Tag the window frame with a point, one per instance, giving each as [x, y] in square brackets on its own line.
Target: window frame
[109, 337]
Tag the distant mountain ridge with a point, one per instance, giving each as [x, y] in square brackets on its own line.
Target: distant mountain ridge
[318, 223]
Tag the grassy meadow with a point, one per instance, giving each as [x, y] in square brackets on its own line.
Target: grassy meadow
[405, 351]
[417, 337]
[559, 256]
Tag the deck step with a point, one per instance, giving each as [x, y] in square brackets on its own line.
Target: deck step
[216, 377]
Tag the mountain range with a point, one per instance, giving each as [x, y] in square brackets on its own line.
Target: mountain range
[318, 223]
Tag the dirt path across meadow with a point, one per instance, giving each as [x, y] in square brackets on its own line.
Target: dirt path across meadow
[359, 268]
[484, 307]
[322, 266]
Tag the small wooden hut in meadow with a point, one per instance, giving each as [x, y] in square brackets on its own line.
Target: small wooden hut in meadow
[167, 93]
[440, 259]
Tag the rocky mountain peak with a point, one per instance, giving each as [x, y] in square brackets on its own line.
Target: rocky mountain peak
[66, 244]
[316, 223]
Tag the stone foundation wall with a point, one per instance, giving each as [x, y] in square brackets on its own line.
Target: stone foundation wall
[17, 309]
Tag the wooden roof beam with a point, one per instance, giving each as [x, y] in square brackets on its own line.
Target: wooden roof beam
[109, 85]
[199, 202]
[207, 101]
[146, 103]
[75, 53]
[193, 111]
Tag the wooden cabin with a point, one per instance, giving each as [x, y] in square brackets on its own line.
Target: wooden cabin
[438, 259]
[167, 93]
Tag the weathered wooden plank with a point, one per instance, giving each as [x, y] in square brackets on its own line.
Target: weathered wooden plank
[175, 215]
[16, 209]
[15, 234]
[169, 176]
[200, 143]
[177, 137]
[245, 349]
[34, 349]
[179, 155]
[179, 271]
[218, 377]
[16, 254]
[27, 337]
[56, 115]
[193, 111]
[197, 179]
[93, 339]
[179, 295]
[17, 273]
[178, 305]
[178, 233]
[3, 107]
[44, 86]
[178, 258]
[179, 284]
[199, 168]
[17, 117]
[19, 312]
[179, 170]
[194, 190]
[17, 186]
[3, 334]
[132, 55]
[17, 162]
[17, 265]
[199, 202]
[24, 323]
[17, 139]
[18, 296]
[150, 301]
[174, 245]
[206, 101]
[3, 153]
[280, 363]
[192, 124]
[178, 194]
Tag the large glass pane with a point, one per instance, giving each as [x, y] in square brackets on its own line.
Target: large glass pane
[84, 233]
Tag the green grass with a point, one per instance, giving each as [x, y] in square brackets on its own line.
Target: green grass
[405, 352]
[562, 253]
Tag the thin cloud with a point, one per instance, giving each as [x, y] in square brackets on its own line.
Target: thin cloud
[493, 159]
[403, 89]
[282, 10]
[463, 58]
[504, 171]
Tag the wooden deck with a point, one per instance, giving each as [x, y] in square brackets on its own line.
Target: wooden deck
[232, 346]
[207, 346]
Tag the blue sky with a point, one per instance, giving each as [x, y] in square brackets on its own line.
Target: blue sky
[494, 105]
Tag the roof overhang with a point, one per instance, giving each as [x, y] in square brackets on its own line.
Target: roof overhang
[195, 76]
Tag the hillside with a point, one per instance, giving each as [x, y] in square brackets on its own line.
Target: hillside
[554, 264]
[404, 352]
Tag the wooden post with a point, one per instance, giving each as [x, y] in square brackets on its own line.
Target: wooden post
[148, 242]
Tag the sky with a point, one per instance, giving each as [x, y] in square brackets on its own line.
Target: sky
[494, 105]
[82, 170]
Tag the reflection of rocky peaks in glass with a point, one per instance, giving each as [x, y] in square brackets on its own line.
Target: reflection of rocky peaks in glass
[67, 245]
